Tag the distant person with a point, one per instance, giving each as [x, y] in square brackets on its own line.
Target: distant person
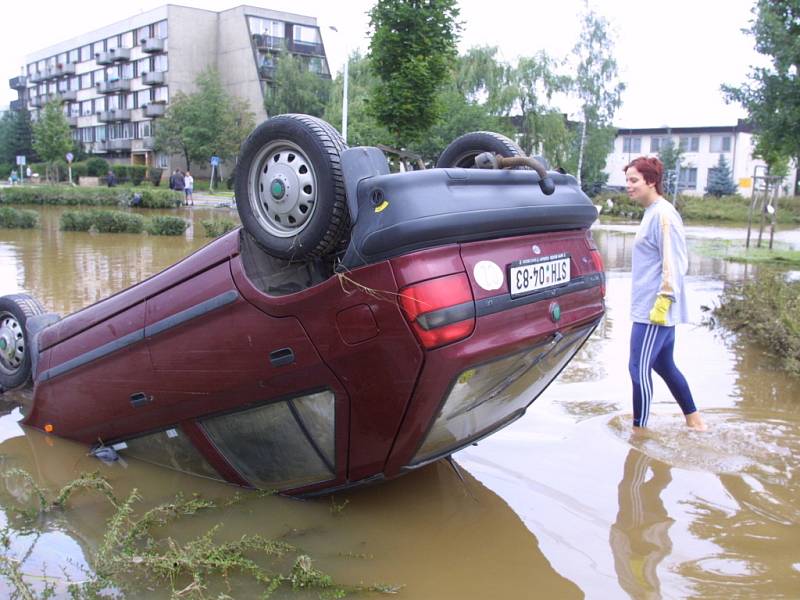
[179, 183]
[111, 179]
[28, 173]
[13, 178]
[172, 179]
[188, 188]
[658, 299]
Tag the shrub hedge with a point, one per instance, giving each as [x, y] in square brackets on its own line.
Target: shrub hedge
[162, 225]
[103, 221]
[12, 218]
[73, 196]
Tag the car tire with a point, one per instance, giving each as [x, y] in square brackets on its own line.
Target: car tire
[461, 152]
[289, 187]
[15, 360]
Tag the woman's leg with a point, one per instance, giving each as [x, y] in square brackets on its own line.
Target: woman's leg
[644, 349]
[666, 368]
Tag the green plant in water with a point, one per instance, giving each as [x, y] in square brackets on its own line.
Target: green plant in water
[217, 227]
[12, 218]
[162, 225]
[132, 551]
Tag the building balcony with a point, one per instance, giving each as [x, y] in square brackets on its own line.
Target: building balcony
[269, 42]
[118, 145]
[38, 77]
[16, 104]
[152, 45]
[148, 143]
[64, 69]
[73, 121]
[68, 95]
[120, 54]
[266, 72]
[155, 109]
[18, 83]
[154, 78]
[104, 58]
[113, 87]
[114, 115]
[100, 147]
[308, 48]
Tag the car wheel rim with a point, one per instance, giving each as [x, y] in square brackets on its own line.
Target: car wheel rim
[283, 189]
[12, 344]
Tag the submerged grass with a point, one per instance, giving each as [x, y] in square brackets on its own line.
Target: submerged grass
[766, 310]
[12, 218]
[135, 549]
[735, 251]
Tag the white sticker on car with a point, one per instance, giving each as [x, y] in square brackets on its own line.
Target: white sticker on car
[488, 275]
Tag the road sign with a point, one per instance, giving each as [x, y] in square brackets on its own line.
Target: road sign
[21, 160]
[215, 161]
[69, 157]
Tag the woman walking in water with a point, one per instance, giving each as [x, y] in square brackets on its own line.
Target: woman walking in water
[658, 300]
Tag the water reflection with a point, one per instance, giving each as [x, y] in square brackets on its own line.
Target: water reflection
[639, 537]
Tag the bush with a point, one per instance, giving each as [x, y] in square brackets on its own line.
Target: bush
[79, 170]
[103, 221]
[12, 218]
[96, 167]
[154, 175]
[217, 227]
[161, 225]
[62, 195]
[5, 171]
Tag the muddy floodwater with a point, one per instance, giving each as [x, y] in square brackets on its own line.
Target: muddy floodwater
[564, 503]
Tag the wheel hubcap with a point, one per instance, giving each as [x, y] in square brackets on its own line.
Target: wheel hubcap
[283, 189]
[12, 344]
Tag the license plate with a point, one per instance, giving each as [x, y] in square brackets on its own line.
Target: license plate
[534, 274]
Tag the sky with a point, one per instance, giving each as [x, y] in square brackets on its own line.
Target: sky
[673, 55]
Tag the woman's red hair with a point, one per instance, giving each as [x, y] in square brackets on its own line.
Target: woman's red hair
[651, 169]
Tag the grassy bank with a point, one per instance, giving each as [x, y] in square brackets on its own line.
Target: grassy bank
[727, 209]
[65, 195]
[766, 310]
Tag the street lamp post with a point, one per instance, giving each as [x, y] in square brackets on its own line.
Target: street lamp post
[344, 93]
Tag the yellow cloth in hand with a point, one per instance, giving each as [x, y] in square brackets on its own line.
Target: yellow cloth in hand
[658, 314]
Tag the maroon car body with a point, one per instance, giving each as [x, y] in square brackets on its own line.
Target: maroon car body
[238, 366]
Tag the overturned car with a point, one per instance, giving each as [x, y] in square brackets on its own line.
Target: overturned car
[360, 324]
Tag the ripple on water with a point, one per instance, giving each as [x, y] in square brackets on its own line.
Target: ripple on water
[760, 445]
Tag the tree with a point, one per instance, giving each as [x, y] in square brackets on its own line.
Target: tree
[670, 156]
[772, 95]
[51, 135]
[206, 123]
[363, 128]
[598, 89]
[720, 182]
[296, 89]
[412, 48]
[16, 137]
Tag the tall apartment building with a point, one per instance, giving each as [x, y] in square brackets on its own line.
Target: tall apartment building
[117, 81]
[701, 148]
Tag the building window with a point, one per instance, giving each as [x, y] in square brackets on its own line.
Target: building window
[160, 63]
[720, 143]
[690, 143]
[142, 33]
[144, 129]
[75, 109]
[687, 178]
[163, 160]
[86, 81]
[161, 30]
[161, 94]
[87, 108]
[86, 53]
[142, 97]
[61, 58]
[100, 133]
[74, 55]
[112, 42]
[127, 71]
[126, 40]
[631, 144]
[98, 47]
[657, 143]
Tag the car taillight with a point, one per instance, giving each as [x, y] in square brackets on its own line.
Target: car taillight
[597, 260]
[440, 310]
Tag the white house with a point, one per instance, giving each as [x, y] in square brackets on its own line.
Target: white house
[701, 147]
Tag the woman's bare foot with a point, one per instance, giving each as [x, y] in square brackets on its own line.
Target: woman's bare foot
[695, 421]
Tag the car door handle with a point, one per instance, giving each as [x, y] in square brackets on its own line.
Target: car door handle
[284, 356]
